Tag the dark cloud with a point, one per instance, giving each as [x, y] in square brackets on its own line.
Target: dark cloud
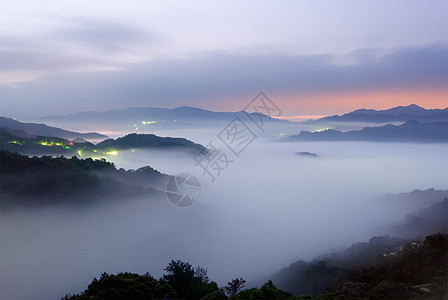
[105, 36]
[74, 45]
[220, 75]
[33, 61]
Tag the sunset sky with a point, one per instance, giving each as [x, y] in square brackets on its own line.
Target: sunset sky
[309, 57]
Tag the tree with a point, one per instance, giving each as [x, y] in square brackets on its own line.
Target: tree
[267, 291]
[180, 275]
[234, 286]
[201, 274]
[189, 283]
[123, 286]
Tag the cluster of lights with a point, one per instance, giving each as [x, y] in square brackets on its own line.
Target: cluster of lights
[320, 130]
[44, 143]
[144, 123]
[148, 122]
[67, 146]
[52, 143]
[59, 144]
[111, 152]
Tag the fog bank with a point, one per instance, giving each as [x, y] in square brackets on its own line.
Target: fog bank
[270, 207]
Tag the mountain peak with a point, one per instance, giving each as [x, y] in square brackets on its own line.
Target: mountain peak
[414, 106]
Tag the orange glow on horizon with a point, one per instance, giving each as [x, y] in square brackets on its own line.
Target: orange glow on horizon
[341, 103]
[300, 117]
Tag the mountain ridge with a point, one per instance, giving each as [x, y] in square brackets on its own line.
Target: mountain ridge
[411, 131]
[158, 114]
[39, 129]
[394, 114]
[38, 145]
[42, 181]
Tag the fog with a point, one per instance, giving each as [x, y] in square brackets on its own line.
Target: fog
[269, 208]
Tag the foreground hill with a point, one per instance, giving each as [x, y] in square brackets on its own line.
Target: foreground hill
[383, 267]
[412, 131]
[42, 145]
[37, 181]
[417, 270]
[396, 114]
[422, 222]
[180, 281]
[34, 129]
[150, 141]
[389, 268]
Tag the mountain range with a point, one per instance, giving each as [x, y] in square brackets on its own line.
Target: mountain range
[419, 124]
[35, 129]
[180, 115]
[396, 114]
[411, 131]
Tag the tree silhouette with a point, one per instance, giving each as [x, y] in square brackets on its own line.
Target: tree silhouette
[234, 286]
[201, 274]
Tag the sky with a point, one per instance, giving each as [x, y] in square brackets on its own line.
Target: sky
[311, 58]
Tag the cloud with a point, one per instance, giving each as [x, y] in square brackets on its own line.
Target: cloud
[76, 45]
[101, 35]
[215, 76]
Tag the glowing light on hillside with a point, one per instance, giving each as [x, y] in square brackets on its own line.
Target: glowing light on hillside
[16, 142]
[112, 153]
[45, 143]
[148, 122]
[320, 130]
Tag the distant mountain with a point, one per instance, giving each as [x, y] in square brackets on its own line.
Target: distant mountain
[307, 154]
[396, 114]
[33, 129]
[411, 131]
[153, 115]
[150, 141]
